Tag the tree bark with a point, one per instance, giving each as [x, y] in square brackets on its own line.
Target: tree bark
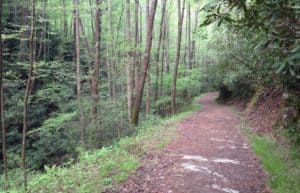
[111, 69]
[2, 106]
[78, 72]
[148, 78]
[129, 60]
[158, 49]
[194, 38]
[138, 99]
[96, 67]
[189, 36]
[180, 20]
[168, 44]
[28, 90]
[164, 54]
[136, 43]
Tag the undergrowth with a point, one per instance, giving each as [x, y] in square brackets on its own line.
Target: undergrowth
[97, 170]
[279, 162]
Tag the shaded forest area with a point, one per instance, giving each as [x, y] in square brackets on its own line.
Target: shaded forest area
[76, 76]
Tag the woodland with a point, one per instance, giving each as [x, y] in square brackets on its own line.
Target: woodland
[79, 77]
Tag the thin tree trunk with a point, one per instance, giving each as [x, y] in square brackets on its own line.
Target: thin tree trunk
[158, 49]
[112, 52]
[65, 19]
[189, 36]
[136, 43]
[141, 36]
[78, 72]
[2, 106]
[163, 58]
[180, 20]
[138, 98]
[194, 38]
[28, 90]
[189, 50]
[148, 80]
[129, 60]
[96, 67]
[168, 44]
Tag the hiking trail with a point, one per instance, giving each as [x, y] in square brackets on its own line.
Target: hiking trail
[210, 155]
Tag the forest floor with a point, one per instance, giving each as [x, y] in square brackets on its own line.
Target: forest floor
[210, 155]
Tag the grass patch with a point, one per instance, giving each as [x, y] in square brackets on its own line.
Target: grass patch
[283, 169]
[100, 169]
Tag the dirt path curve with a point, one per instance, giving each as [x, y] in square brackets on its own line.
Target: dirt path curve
[211, 155]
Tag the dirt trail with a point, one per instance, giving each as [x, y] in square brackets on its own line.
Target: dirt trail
[211, 155]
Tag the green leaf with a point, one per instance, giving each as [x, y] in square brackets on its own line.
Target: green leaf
[292, 71]
[281, 68]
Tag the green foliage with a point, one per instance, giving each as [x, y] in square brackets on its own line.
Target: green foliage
[284, 171]
[97, 170]
[54, 123]
[261, 45]
[293, 132]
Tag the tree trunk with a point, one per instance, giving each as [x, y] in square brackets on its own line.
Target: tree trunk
[65, 19]
[129, 60]
[189, 36]
[28, 90]
[138, 98]
[111, 69]
[136, 43]
[2, 106]
[96, 67]
[78, 72]
[148, 80]
[158, 49]
[180, 20]
[194, 38]
[164, 54]
[168, 44]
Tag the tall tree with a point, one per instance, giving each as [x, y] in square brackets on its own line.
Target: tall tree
[148, 80]
[136, 42]
[28, 90]
[194, 37]
[2, 125]
[129, 59]
[96, 66]
[179, 36]
[78, 70]
[167, 39]
[189, 55]
[111, 54]
[139, 94]
[157, 56]
[164, 56]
